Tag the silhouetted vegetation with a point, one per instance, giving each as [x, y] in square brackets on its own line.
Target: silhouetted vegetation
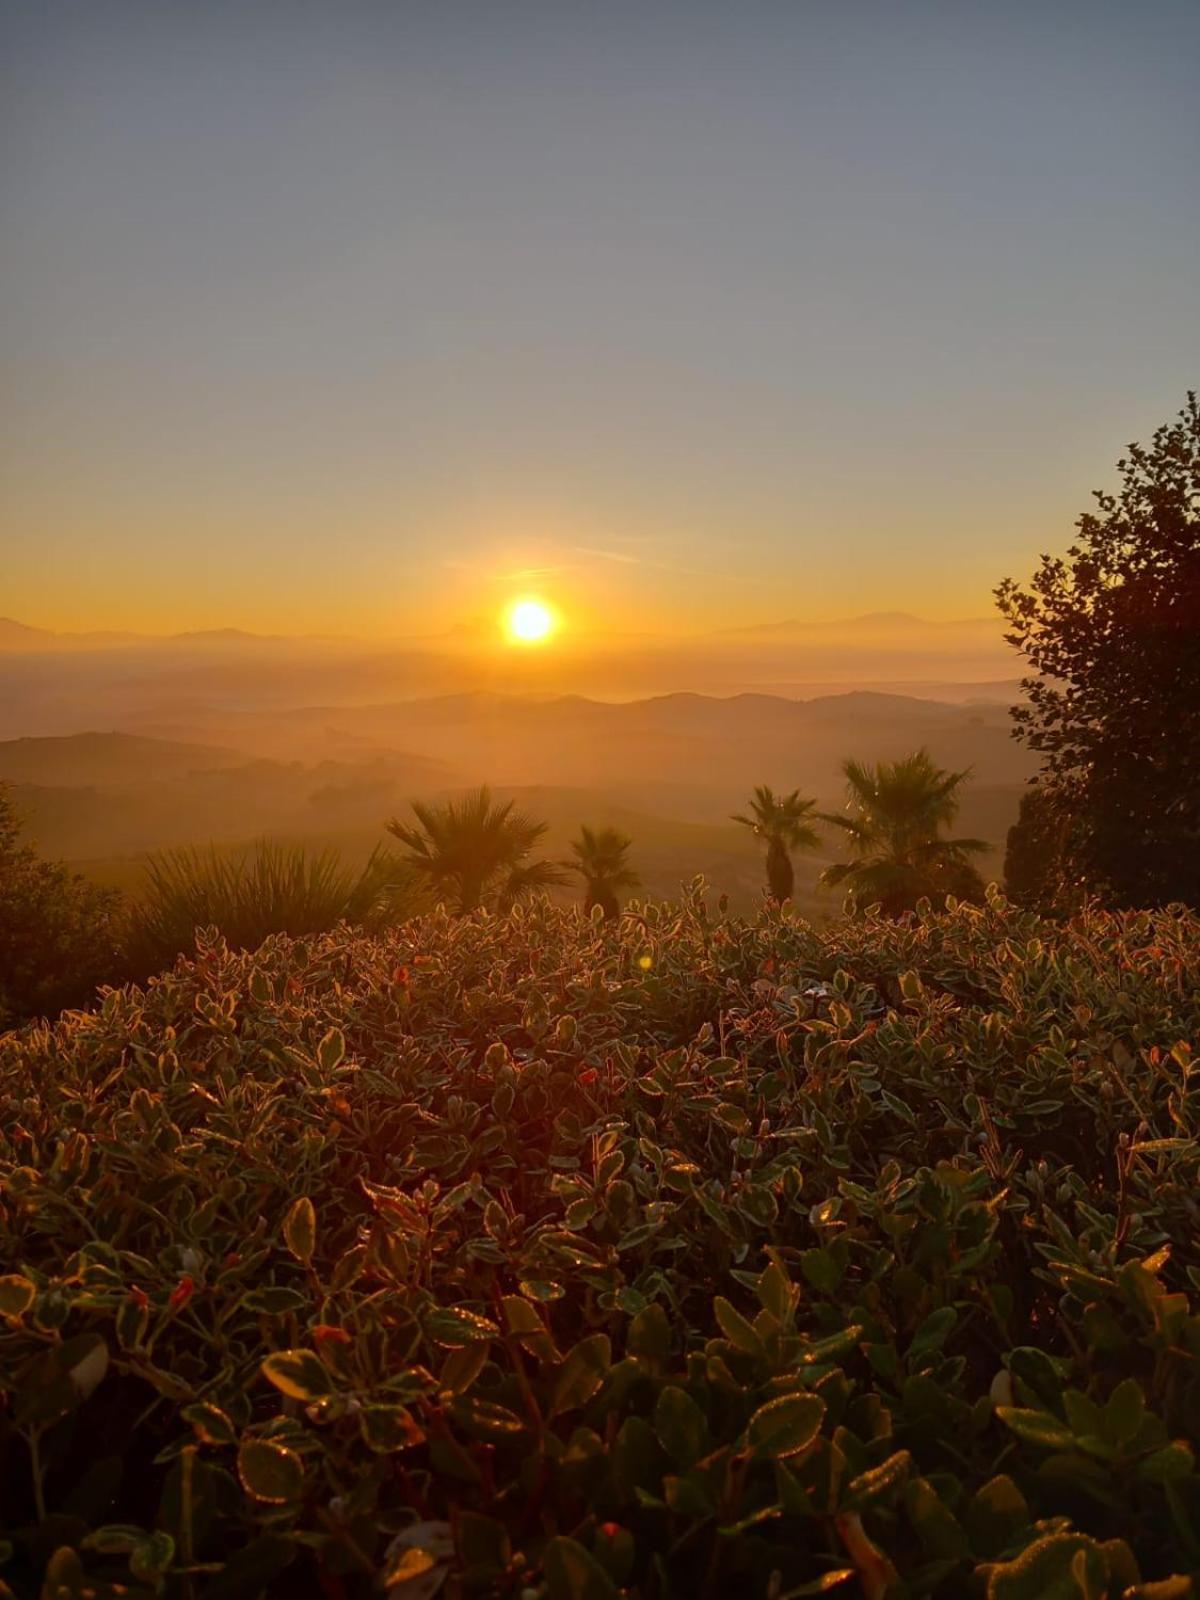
[246, 898]
[601, 858]
[899, 853]
[1037, 856]
[60, 936]
[783, 823]
[1112, 632]
[475, 851]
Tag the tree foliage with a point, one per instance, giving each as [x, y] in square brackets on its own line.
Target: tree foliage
[1112, 633]
[783, 823]
[475, 851]
[898, 851]
[60, 936]
[601, 858]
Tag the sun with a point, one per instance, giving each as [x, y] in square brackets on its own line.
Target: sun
[529, 621]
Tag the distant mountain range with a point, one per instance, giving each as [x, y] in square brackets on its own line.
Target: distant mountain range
[877, 624]
[20, 636]
[889, 625]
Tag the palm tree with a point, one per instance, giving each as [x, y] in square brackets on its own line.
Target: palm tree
[783, 821]
[897, 849]
[600, 860]
[475, 851]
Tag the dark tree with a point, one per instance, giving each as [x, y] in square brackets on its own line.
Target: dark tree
[475, 851]
[784, 824]
[1037, 854]
[601, 858]
[899, 852]
[60, 936]
[1112, 632]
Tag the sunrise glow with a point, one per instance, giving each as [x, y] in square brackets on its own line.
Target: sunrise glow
[529, 621]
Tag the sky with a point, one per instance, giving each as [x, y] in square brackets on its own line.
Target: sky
[366, 317]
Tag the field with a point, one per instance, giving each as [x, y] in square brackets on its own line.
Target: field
[682, 1257]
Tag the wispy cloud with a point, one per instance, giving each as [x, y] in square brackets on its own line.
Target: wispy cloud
[608, 555]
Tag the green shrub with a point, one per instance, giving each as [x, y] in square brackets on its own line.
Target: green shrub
[60, 936]
[272, 888]
[670, 1256]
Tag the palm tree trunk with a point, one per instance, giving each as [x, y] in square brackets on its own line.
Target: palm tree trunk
[605, 899]
[781, 876]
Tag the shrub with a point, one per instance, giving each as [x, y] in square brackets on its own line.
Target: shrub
[668, 1256]
[273, 888]
[60, 936]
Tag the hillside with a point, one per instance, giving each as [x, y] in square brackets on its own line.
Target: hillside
[668, 771]
[83, 759]
[676, 1257]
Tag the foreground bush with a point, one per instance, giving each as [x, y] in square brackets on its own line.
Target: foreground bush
[671, 1256]
[60, 936]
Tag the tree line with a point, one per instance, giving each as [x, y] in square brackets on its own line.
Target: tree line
[61, 936]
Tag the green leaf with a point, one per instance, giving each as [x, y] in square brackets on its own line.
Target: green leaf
[821, 1269]
[331, 1050]
[114, 1539]
[1047, 1570]
[1036, 1427]
[210, 1423]
[524, 1322]
[877, 1481]
[911, 986]
[996, 1514]
[1174, 1460]
[650, 1335]
[1124, 1412]
[785, 1426]
[270, 1471]
[386, 1428]
[300, 1230]
[736, 1329]
[17, 1294]
[298, 1374]
[573, 1573]
[681, 1427]
[152, 1556]
[581, 1373]
[832, 1348]
[453, 1327]
[933, 1333]
[940, 1533]
[274, 1301]
[485, 1418]
[637, 1458]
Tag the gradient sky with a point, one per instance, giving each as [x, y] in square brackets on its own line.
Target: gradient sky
[350, 316]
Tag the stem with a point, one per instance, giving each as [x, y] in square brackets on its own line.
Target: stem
[35, 1462]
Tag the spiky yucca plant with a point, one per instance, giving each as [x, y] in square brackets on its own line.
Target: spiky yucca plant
[898, 850]
[782, 822]
[274, 888]
[475, 851]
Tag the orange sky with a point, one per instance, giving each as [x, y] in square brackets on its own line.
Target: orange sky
[363, 320]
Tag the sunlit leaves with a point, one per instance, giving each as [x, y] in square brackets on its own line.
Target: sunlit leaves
[269, 1471]
[771, 1330]
[300, 1230]
[785, 1426]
